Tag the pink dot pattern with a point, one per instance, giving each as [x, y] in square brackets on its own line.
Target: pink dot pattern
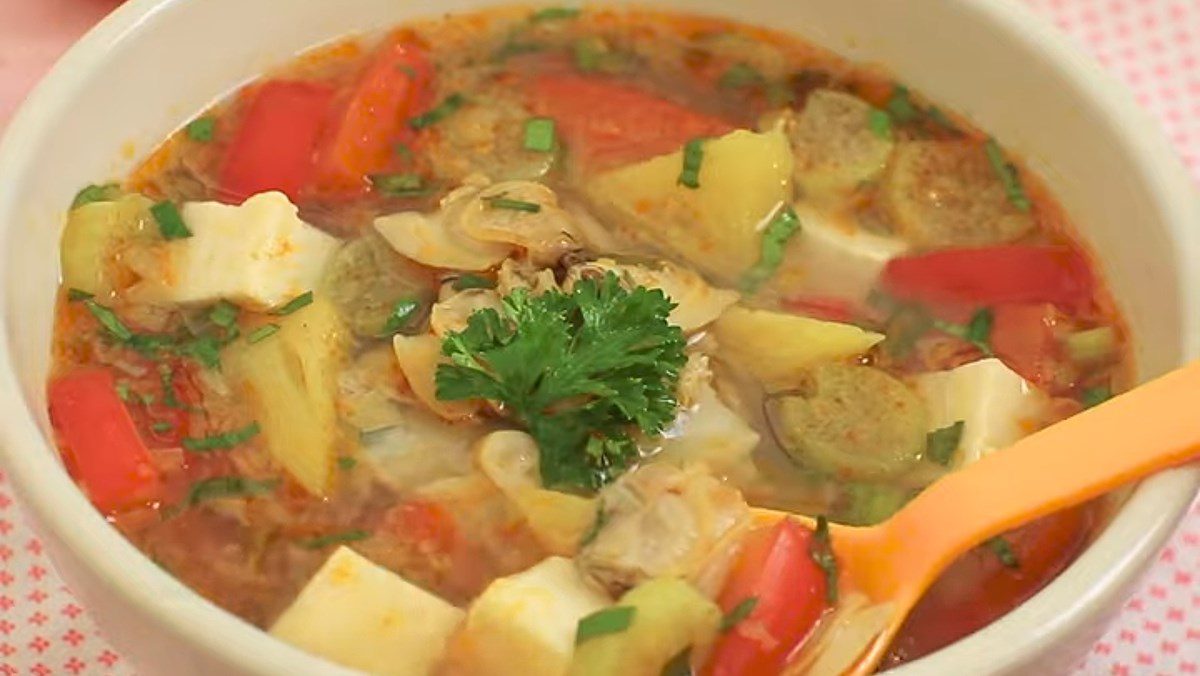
[1153, 46]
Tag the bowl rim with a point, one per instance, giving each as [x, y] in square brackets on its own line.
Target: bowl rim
[1124, 549]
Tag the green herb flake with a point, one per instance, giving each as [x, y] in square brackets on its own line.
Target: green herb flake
[1004, 551]
[76, 295]
[554, 14]
[303, 300]
[540, 135]
[124, 391]
[441, 111]
[514, 47]
[820, 549]
[224, 314]
[738, 613]
[775, 238]
[465, 282]
[334, 539]
[941, 444]
[941, 118]
[162, 427]
[693, 158]
[170, 223]
[109, 320]
[223, 441]
[978, 330]
[1007, 173]
[400, 185]
[347, 463]
[166, 376]
[105, 192]
[205, 349]
[900, 105]
[740, 76]
[1094, 396]
[201, 129]
[400, 316]
[262, 333]
[880, 124]
[612, 620]
[217, 488]
[589, 54]
[501, 202]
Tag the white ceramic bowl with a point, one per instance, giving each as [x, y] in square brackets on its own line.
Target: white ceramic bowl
[154, 63]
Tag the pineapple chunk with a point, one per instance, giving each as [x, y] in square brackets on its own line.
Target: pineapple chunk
[259, 255]
[524, 625]
[777, 348]
[744, 178]
[94, 241]
[290, 380]
[356, 613]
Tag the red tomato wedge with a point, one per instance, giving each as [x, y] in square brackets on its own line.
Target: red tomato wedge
[273, 146]
[1025, 336]
[102, 441]
[986, 276]
[776, 568]
[365, 126]
[606, 123]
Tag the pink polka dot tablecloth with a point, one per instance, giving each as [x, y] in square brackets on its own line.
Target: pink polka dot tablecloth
[1151, 45]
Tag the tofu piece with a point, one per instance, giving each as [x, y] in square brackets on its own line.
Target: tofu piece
[524, 624]
[356, 613]
[259, 255]
[996, 405]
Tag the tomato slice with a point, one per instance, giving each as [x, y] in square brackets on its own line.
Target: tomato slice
[1025, 336]
[101, 441]
[775, 568]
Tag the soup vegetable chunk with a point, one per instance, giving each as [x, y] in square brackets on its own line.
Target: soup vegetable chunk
[470, 348]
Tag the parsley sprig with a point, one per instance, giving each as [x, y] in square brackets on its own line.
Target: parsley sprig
[577, 370]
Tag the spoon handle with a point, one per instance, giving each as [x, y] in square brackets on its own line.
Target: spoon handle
[1151, 428]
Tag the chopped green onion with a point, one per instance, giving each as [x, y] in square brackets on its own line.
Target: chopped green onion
[400, 185]
[205, 349]
[170, 223]
[940, 118]
[589, 53]
[693, 158]
[1004, 552]
[201, 129]
[222, 441]
[472, 282]
[501, 202]
[262, 333]
[147, 398]
[105, 192]
[346, 462]
[109, 320]
[76, 295]
[597, 526]
[224, 314]
[400, 315]
[979, 329]
[123, 390]
[539, 134]
[778, 233]
[514, 48]
[1008, 175]
[554, 14]
[334, 539]
[227, 487]
[441, 111]
[900, 106]
[740, 76]
[880, 124]
[738, 613]
[303, 300]
[1094, 396]
[167, 377]
[603, 622]
[1092, 345]
[941, 444]
[162, 427]
[820, 549]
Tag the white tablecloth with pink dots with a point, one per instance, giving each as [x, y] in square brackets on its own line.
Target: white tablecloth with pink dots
[1151, 45]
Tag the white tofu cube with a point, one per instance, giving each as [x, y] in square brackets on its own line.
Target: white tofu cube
[524, 624]
[363, 616]
[258, 254]
[996, 405]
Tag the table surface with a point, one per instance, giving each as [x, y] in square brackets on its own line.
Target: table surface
[1153, 46]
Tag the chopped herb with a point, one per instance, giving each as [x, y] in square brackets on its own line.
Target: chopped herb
[334, 539]
[693, 158]
[105, 192]
[220, 487]
[473, 282]
[514, 48]
[170, 223]
[400, 185]
[222, 441]
[224, 314]
[400, 315]
[821, 550]
[940, 118]
[906, 325]
[603, 622]
[76, 295]
[123, 390]
[147, 398]
[167, 377]
[501, 202]
[941, 444]
[540, 134]
[738, 613]
[1094, 396]
[346, 462]
[441, 111]
[740, 76]
[779, 232]
[880, 123]
[1004, 552]
[109, 320]
[680, 665]
[261, 333]
[303, 300]
[162, 427]
[408, 70]
[554, 14]
[1007, 173]
[978, 330]
[201, 129]
[597, 526]
[590, 53]
[205, 349]
[900, 106]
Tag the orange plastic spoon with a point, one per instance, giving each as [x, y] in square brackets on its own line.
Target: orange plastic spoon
[1130, 437]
